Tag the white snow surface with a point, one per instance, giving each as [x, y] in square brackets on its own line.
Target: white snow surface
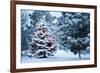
[59, 55]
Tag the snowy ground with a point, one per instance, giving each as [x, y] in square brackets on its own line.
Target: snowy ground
[60, 55]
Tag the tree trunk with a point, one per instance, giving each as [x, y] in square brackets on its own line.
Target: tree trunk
[44, 54]
[79, 54]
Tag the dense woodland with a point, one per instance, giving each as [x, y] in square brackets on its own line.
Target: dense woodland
[68, 31]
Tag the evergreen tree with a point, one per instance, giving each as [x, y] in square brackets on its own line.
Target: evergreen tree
[24, 43]
[43, 43]
[80, 29]
[74, 26]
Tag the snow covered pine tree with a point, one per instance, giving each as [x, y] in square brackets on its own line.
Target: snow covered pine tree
[43, 43]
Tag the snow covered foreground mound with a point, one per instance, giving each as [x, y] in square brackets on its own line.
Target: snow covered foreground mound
[60, 55]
